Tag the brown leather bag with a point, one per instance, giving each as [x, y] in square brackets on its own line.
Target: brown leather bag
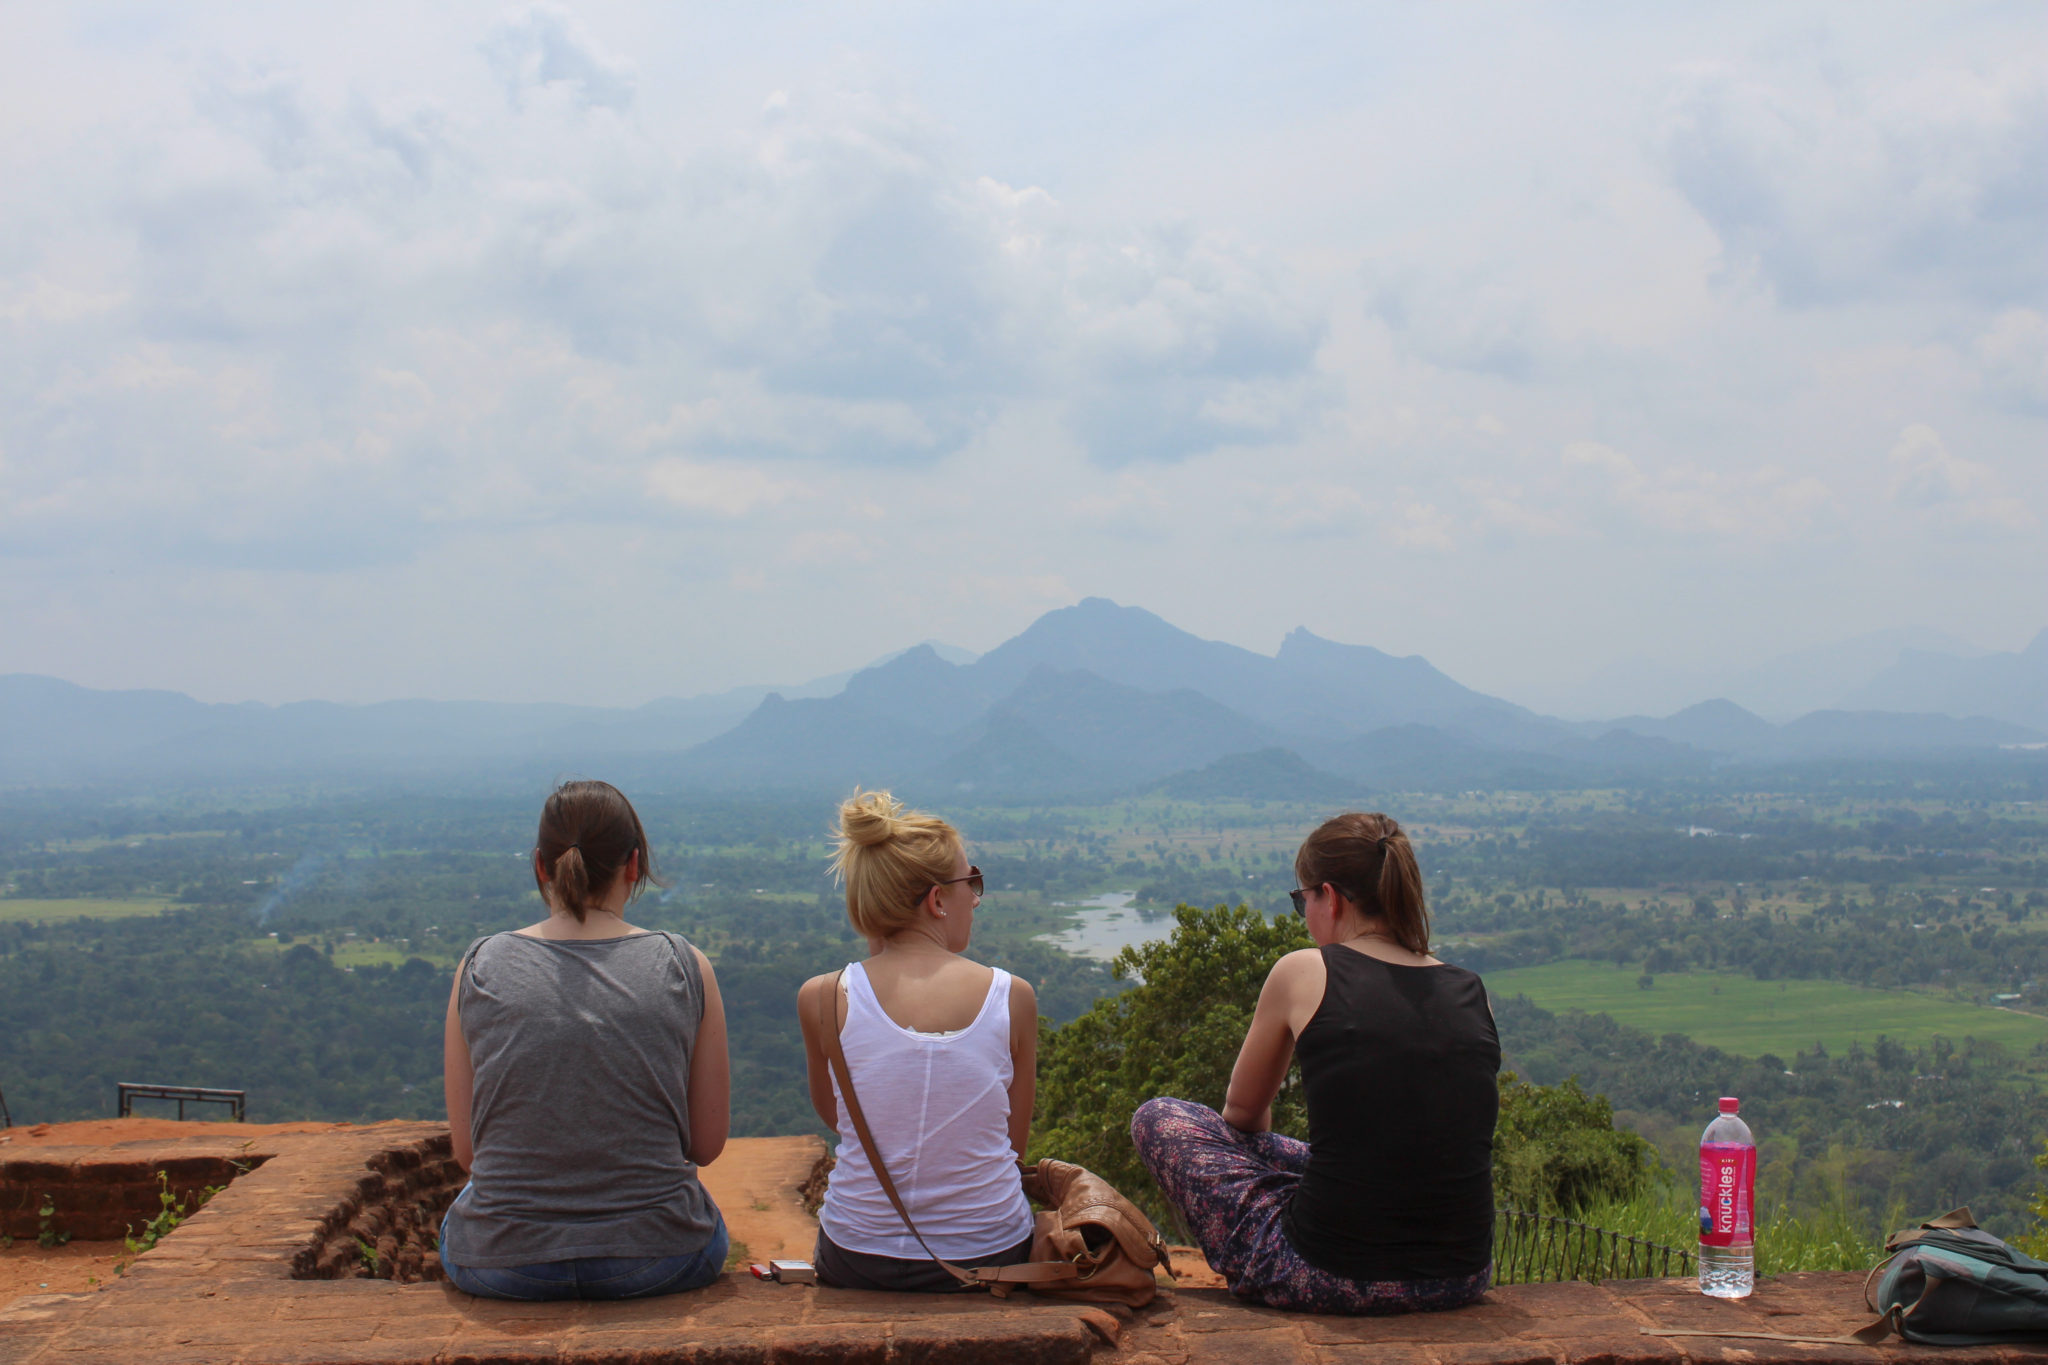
[1091, 1245]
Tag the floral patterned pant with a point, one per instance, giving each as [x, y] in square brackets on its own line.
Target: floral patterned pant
[1231, 1189]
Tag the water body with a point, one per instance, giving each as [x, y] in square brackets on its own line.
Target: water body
[1109, 923]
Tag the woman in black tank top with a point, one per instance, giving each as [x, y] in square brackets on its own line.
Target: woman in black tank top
[1388, 1207]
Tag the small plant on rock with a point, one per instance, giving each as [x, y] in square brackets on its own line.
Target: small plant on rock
[171, 1212]
[369, 1254]
[47, 1235]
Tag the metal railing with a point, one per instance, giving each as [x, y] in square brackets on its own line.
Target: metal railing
[1530, 1248]
[127, 1092]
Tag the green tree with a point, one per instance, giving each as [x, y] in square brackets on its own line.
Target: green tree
[1175, 1032]
[2034, 1241]
[1556, 1149]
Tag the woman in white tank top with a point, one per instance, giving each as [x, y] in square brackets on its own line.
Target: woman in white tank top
[943, 1055]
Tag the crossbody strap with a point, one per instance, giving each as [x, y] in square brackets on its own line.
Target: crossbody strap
[1032, 1272]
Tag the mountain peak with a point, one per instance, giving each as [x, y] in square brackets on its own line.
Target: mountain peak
[1304, 644]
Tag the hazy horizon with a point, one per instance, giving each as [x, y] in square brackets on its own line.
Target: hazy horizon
[604, 351]
[1654, 690]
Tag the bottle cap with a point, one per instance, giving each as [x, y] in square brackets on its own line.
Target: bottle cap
[1729, 1104]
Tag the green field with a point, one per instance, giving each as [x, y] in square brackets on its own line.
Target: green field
[1748, 1017]
[80, 908]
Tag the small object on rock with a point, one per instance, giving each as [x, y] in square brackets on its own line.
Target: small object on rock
[1103, 1324]
[793, 1272]
[761, 1272]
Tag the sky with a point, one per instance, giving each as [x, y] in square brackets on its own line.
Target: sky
[597, 352]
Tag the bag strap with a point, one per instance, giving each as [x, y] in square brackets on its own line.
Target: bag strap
[1953, 1221]
[1031, 1272]
[1875, 1270]
[1758, 1336]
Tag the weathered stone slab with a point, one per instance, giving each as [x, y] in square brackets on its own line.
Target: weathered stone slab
[235, 1285]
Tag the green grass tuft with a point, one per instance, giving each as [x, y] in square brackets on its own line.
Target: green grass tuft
[1830, 1238]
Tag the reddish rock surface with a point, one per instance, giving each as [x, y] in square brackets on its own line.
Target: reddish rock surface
[221, 1290]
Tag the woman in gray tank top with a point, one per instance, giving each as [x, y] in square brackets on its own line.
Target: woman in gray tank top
[586, 1076]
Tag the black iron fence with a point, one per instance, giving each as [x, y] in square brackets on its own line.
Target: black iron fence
[1529, 1248]
[127, 1092]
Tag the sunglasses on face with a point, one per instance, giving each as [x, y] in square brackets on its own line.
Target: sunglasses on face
[1299, 895]
[973, 880]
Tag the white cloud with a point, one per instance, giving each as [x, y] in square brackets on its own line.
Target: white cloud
[1421, 526]
[1764, 503]
[547, 46]
[726, 490]
[1958, 492]
[1837, 188]
[562, 292]
[322, 326]
[2013, 353]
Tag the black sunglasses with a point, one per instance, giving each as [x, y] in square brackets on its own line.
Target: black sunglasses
[1299, 895]
[973, 880]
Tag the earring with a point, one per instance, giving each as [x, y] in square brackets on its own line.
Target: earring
[942, 914]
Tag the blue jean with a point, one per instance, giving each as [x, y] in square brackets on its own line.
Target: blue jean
[595, 1277]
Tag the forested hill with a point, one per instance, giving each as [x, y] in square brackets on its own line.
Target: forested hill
[1904, 1130]
[184, 997]
[298, 946]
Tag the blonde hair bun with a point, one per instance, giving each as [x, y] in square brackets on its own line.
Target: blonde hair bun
[889, 858]
[869, 819]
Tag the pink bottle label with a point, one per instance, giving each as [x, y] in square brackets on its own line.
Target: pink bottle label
[1727, 1192]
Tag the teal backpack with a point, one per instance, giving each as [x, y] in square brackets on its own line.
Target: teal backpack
[1949, 1283]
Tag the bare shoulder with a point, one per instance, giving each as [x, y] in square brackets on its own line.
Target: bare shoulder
[1023, 995]
[1302, 962]
[1297, 976]
[818, 984]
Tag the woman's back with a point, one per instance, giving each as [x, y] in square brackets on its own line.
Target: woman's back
[581, 1050]
[938, 1106]
[1398, 1069]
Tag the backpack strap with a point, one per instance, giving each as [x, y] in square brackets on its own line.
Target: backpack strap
[1881, 1327]
[1754, 1336]
[1031, 1272]
[1868, 1302]
[1953, 1220]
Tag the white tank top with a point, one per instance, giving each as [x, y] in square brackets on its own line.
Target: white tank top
[939, 1109]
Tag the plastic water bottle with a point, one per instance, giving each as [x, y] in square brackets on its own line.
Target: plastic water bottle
[1727, 1205]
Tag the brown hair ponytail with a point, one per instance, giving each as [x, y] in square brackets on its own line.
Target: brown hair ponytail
[588, 833]
[1367, 857]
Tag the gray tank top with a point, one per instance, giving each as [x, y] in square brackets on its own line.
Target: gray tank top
[580, 1114]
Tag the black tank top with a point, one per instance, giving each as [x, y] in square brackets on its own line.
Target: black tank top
[1398, 1068]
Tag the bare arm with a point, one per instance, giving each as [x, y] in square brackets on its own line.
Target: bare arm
[710, 1074]
[458, 1078]
[1269, 1042]
[817, 1069]
[1023, 1061]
